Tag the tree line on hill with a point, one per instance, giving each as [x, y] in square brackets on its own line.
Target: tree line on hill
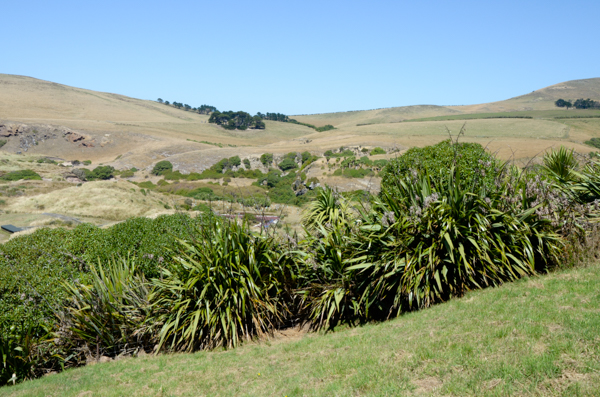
[578, 104]
[236, 120]
[240, 120]
[202, 109]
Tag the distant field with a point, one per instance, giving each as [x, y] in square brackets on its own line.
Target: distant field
[536, 101]
[346, 119]
[479, 128]
[535, 114]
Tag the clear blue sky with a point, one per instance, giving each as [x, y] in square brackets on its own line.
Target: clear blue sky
[304, 56]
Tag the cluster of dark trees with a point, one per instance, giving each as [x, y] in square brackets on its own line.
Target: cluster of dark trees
[236, 120]
[578, 104]
[203, 109]
[242, 120]
[274, 116]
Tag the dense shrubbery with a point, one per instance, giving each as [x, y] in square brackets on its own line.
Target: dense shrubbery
[102, 172]
[32, 266]
[99, 173]
[595, 142]
[162, 167]
[266, 159]
[473, 165]
[236, 120]
[327, 127]
[22, 174]
[177, 283]
[212, 173]
[287, 164]
[376, 151]
[227, 286]
[342, 153]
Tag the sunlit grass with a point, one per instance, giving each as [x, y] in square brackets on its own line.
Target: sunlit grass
[534, 337]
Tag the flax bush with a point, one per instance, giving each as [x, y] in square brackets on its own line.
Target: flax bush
[228, 286]
[425, 239]
[107, 317]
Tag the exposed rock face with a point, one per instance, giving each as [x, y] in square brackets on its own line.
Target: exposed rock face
[73, 136]
[31, 135]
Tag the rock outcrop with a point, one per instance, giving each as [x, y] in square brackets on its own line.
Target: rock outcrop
[31, 135]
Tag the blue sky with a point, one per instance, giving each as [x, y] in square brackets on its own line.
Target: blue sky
[298, 57]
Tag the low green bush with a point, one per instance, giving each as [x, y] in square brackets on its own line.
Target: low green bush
[287, 164]
[22, 174]
[376, 151]
[45, 160]
[127, 174]
[364, 160]
[146, 185]
[594, 142]
[474, 166]
[102, 172]
[266, 159]
[161, 167]
[326, 127]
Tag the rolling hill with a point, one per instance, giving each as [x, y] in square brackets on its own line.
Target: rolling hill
[74, 123]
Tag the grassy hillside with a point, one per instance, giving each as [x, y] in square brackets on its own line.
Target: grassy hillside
[141, 132]
[542, 99]
[119, 125]
[535, 337]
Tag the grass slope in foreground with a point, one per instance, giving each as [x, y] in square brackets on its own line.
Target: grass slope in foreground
[538, 336]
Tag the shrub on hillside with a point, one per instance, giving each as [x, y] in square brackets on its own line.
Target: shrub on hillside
[103, 172]
[229, 286]
[353, 173]
[287, 164]
[266, 159]
[424, 241]
[474, 166]
[376, 151]
[326, 127]
[127, 173]
[32, 266]
[22, 174]
[107, 317]
[161, 167]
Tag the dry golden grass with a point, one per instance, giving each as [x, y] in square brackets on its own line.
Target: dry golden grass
[542, 99]
[109, 200]
[136, 133]
[143, 132]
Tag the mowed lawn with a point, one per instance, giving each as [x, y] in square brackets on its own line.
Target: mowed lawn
[539, 337]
